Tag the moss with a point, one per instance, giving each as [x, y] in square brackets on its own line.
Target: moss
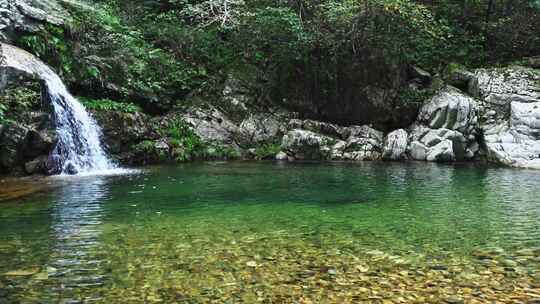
[109, 105]
[15, 102]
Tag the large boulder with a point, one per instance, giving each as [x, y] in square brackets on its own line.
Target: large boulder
[516, 142]
[362, 143]
[123, 130]
[29, 16]
[441, 152]
[450, 109]
[324, 141]
[446, 129]
[304, 144]
[212, 125]
[510, 114]
[505, 85]
[11, 144]
[260, 128]
[395, 145]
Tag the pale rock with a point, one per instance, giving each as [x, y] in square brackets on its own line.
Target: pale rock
[442, 152]
[395, 145]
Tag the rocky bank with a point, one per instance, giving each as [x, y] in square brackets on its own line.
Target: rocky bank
[494, 116]
[490, 115]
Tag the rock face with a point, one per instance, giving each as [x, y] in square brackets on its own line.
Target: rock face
[510, 101]
[29, 16]
[395, 145]
[25, 145]
[446, 128]
[313, 140]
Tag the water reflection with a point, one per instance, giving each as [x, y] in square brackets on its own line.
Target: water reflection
[77, 214]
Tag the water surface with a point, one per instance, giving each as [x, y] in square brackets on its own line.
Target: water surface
[277, 233]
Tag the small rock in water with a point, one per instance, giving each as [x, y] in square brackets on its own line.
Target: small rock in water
[71, 170]
[439, 267]
[23, 272]
[454, 300]
[282, 156]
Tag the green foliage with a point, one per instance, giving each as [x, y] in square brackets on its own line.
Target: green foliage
[162, 53]
[407, 95]
[17, 101]
[267, 150]
[186, 144]
[221, 152]
[109, 105]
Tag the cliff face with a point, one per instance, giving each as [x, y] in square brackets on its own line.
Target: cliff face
[27, 16]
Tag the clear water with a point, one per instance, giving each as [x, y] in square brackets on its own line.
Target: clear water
[277, 233]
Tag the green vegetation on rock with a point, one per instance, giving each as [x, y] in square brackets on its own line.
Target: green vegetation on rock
[161, 54]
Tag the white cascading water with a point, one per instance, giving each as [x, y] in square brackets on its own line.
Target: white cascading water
[79, 148]
[79, 144]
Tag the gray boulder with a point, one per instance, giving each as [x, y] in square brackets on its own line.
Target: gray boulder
[417, 150]
[11, 144]
[450, 109]
[38, 143]
[449, 116]
[510, 115]
[258, 128]
[506, 85]
[516, 142]
[441, 152]
[30, 15]
[320, 127]
[308, 145]
[37, 166]
[395, 145]
[281, 156]
[213, 126]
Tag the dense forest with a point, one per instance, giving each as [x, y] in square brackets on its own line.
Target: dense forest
[163, 54]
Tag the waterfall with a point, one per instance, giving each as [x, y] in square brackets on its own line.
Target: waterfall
[79, 149]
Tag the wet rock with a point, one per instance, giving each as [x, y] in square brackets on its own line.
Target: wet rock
[395, 145]
[38, 165]
[441, 152]
[121, 131]
[281, 156]
[39, 143]
[11, 144]
[71, 169]
[53, 165]
[454, 300]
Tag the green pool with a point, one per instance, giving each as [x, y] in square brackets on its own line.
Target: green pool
[265, 232]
